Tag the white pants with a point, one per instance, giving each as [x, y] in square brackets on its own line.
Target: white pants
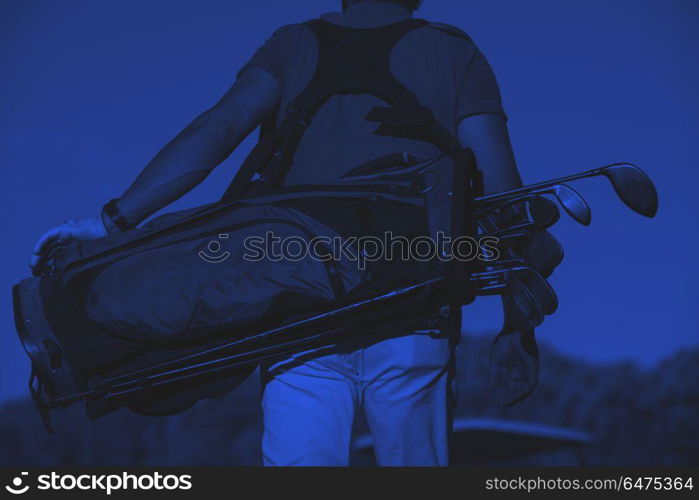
[404, 385]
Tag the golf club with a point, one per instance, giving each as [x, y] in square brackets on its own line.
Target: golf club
[571, 201]
[507, 231]
[529, 290]
[631, 184]
[539, 248]
[541, 210]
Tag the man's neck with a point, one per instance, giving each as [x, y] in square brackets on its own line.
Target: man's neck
[369, 14]
[378, 4]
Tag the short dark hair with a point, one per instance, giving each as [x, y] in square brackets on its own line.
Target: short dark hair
[408, 4]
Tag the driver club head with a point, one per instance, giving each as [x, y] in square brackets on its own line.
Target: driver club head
[633, 187]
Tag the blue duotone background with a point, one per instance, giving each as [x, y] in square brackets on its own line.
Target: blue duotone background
[92, 89]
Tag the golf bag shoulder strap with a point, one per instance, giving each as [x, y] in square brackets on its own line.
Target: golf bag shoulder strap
[350, 61]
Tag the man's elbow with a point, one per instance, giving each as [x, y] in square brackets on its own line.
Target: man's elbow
[230, 119]
[253, 97]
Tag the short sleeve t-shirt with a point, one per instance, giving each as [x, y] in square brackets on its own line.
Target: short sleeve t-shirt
[447, 73]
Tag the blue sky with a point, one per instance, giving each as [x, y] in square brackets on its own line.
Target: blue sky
[91, 90]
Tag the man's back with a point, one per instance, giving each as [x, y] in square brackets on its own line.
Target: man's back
[439, 64]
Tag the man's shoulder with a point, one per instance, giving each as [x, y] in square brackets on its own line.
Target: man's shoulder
[288, 29]
[449, 30]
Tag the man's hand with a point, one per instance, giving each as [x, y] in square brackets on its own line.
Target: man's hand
[72, 230]
[514, 366]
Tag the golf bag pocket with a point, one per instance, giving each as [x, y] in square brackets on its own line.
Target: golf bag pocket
[257, 262]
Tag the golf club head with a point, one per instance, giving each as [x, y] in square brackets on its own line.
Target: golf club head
[538, 289]
[527, 296]
[530, 310]
[633, 187]
[543, 211]
[542, 251]
[574, 204]
[542, 291]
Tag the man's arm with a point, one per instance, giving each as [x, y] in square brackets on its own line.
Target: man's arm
[189, 158]
[487, 136]
[182, 164]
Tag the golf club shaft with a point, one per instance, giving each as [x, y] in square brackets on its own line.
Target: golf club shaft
[481, 209]
[506, 231]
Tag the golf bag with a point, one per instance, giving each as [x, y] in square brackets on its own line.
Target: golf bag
[156, 318]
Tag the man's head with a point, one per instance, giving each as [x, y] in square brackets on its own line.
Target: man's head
[408, 4]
